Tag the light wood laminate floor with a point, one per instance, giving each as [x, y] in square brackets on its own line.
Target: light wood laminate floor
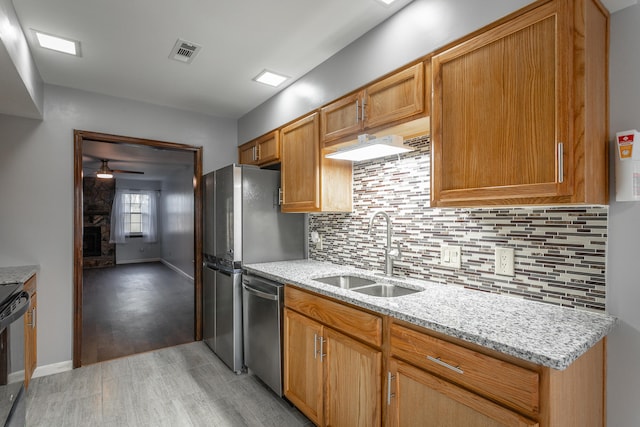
[185, 385]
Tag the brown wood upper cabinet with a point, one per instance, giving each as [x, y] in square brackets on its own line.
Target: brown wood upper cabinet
[261, 151]
[311, 182]
[519, 111]
[399, 97]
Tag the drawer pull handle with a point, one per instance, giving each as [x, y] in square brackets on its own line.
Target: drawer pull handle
[315, 346]
[390, 377]
[445, 364]
[322, 353]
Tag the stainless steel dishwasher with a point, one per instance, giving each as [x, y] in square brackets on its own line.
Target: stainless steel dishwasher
[262, 302]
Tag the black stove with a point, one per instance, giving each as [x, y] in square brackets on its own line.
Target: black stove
[14, 302]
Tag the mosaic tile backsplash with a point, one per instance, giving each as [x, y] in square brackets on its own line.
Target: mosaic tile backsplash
[560, 252]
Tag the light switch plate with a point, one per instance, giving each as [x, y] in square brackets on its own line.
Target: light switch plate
[450, 256]
[504, 262]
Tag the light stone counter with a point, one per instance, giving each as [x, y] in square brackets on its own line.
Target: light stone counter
[17, 274]
[541, 333]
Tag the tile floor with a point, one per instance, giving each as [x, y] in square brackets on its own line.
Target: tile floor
[185, 385]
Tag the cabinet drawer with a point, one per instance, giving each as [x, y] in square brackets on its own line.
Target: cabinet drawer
[350, 320]
[505, 382]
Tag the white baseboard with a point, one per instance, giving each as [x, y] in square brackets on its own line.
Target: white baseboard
[54, 368]
[137, 261]
[15, 377]
[176, 269]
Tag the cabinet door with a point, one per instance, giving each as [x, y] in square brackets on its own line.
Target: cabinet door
[300, 166]
[303, 365]
[352, 382]
[342, 118]
[268, 148]
[248, 153]
[420, 399]
[30, 339]
[501, 114]
[395, 98]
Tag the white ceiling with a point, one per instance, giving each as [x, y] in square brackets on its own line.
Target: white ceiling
[126, 45]
[157, 164]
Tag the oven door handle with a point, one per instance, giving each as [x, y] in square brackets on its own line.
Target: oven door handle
[16, 308]
[260, 294]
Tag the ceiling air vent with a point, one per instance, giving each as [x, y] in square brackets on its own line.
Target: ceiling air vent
[184, 51]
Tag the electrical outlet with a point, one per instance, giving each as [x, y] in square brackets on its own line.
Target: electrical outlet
[450, 256]
[504, 262]
[316, 238]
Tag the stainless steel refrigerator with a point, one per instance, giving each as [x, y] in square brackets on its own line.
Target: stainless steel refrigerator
[243, 224]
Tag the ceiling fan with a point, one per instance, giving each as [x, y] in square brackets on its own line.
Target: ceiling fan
[106, 172]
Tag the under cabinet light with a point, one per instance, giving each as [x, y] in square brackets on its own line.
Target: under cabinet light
[270, 78]
[370, 147]
[59, 44]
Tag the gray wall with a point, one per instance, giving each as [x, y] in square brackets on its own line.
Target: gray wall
[177, 221]
[20, 82]
[623, 269]
[418, 29]
[36, 187]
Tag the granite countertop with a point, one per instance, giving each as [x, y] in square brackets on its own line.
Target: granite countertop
[541, 333]
[18, 274]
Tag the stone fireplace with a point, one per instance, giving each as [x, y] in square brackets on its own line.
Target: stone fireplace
[92, 241]
[98, 197]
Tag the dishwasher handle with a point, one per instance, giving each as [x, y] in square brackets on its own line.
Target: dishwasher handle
[260, 294]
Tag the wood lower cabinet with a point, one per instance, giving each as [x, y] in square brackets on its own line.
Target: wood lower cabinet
[445, 382]
[262, 151]
[333, 378]
[30, 332]
[520, 111]
[333, 359]
[303, 381]
[420, 399]
[311, 182]
[352, 382]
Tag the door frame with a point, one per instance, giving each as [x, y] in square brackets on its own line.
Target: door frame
[79, 137]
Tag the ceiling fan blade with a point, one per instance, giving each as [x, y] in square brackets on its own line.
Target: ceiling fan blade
[126, 171]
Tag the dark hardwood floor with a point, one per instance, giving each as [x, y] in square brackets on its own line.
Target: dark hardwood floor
[134, 308]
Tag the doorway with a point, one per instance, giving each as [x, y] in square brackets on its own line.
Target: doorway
[88, 235]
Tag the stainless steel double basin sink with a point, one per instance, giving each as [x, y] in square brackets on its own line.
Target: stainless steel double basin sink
[367, 286]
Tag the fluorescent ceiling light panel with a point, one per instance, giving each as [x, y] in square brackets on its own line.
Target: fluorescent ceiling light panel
[59, 44]
[368, 148]
[270, 78]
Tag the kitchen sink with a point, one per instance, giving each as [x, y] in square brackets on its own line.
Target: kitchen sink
[367, 286]
[345, 282]
[385, 290]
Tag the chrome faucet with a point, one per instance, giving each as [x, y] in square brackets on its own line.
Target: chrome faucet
[390, 254]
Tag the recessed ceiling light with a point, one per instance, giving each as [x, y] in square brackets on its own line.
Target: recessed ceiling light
[270, 78]
[59, 44]
[387, 2]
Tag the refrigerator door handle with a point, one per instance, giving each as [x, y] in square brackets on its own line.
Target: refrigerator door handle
[260, 294]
